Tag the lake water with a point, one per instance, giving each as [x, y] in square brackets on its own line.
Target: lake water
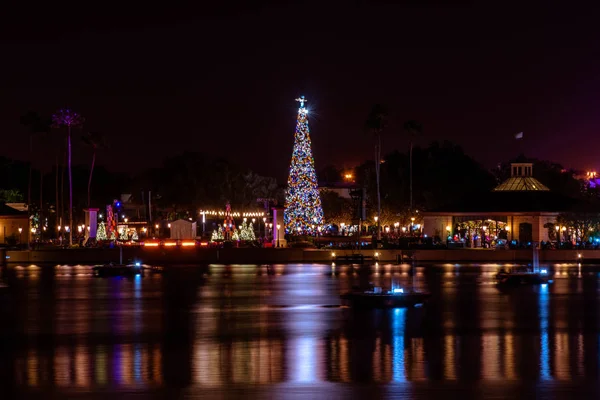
[239, 331]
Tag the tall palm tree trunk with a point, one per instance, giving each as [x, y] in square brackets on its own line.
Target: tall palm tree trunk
[41, 221]
[411, 176]
[377, 170]
[30, 169]
[90, 179]
[70, 188]
[29, 184]
[56, 193]
[62, 189]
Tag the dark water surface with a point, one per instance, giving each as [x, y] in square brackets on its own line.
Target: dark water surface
[240, 332]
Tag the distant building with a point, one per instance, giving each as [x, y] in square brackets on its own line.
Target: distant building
[520, 208]
[11, 219]
[589, 179]
[182, 229]
[341, 188]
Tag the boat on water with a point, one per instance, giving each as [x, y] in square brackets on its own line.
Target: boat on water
[525, 277]
[379, 298]
[120, 269]
[153, 268]
[113, 269]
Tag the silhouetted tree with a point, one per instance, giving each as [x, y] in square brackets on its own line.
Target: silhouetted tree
[70, 119]
[412, 129]
[375, 125]
[36, 125]
[96, 141]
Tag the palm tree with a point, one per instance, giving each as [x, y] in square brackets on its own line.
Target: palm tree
[375, 125]
[37, 126]
[96, 141]
[413, 129]
[70, 119]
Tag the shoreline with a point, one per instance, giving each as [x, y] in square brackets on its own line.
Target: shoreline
[288, 255]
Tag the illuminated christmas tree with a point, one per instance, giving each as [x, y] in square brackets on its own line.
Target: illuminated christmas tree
[247, 232]
[217, 234]
[101, 233]
[302, 201]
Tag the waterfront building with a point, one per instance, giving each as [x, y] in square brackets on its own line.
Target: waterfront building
[520, 208]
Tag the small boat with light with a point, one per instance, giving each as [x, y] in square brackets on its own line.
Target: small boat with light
[112, 269]
[517, 278]
[120, 269]
[377, 297]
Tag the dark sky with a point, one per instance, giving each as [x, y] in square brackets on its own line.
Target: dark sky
[158, 80]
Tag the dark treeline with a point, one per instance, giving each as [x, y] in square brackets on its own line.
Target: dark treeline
[442, 175]
[184, 182]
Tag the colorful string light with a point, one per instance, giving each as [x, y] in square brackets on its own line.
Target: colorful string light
[303, 211]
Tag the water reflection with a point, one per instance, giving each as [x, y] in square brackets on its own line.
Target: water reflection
[235, 326]
[544, 305]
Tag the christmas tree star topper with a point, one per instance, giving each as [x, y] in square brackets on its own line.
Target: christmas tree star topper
[302, 100]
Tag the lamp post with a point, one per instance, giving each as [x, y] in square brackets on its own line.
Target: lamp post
[20, 237]
[278, 227]
[265, 223]
[448, 233]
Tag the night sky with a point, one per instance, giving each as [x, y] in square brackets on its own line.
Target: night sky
[223, 79]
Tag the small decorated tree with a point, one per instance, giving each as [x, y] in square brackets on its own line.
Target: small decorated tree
[217, 234]
[101, 232]
[235, 235]
[135, 235]
[123, 234]
[247, 232]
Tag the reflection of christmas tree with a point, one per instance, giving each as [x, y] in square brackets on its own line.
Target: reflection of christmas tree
[101, 232]
[135, 235]
[302, 201]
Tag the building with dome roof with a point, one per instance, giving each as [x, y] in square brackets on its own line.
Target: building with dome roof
[520, 208]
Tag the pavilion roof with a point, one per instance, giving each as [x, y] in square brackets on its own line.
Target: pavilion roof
[520, 184]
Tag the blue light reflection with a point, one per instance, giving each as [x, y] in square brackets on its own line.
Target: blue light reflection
[398, 332]
[544, 305]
